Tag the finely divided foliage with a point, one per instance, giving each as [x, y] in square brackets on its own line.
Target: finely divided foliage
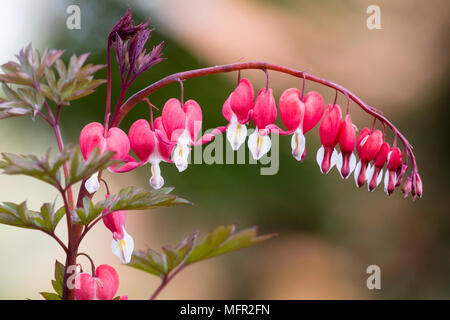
[40, 85]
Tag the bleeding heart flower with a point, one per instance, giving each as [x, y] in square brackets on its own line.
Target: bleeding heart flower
[346, 161]
[394, 165]
[314, 107]
[122, 244]
[102, 285]
[376, 172]
[237, 110]
[329, 129]
[151, 146]
[91, 136]
[368, 145]
[264, 115]
[182, 125]
[292, 112]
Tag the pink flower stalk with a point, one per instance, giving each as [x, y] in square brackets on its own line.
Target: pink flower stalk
[346, 161]
[102, 285]
[394, 165]
[368, 145]
[376, 172]
[151, 146]
[237, 110]
[292, 113]
[264, 115]
[329, 129]
[122, 244]
[182, 125]
[93, 135]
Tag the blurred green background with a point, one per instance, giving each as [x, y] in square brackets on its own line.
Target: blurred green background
[329, 231]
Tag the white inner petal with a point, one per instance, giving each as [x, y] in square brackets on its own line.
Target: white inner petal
[352, 164]
[236, 133]
[123, 248]
[156, 180]
[386, 181]
[339, 162]
[92, 184]
[380, 175]
[319, 157]
[258, 145]
[334, 159]
[298, 142]
[181, 155]
[357, 171]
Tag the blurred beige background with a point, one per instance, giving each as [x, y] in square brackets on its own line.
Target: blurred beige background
[395, 69]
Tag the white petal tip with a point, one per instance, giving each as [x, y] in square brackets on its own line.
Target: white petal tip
[92, 184]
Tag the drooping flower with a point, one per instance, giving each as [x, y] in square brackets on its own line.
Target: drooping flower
[122, 244]
[181, 125]
[329, 136]
[375, 173]
[92, 136]
[314, 108]
[237, 110]
[394, 164]
[346, 161]
[292, 112]
[368, 145]
[101, 286]
[151, 146]
[264, 115]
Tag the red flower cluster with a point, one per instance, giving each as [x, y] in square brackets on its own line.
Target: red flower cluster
[169, 138]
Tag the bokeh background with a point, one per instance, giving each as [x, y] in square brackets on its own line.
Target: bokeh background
[329, 231]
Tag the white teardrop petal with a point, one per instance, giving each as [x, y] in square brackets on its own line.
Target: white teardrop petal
[298, 143]
[123, 248]
[236, 133]
[92, 184]
[319, 157]
[156, 180]
[352, 164]
[357, 171]
[380, 176]
[334, 159]
[386, 181]
[181, 155]
[339, 163]
[258, 145]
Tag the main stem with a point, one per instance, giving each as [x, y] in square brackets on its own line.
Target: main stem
[139, 96]
[73, 230]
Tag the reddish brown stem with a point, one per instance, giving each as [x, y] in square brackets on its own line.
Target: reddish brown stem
[139, 96]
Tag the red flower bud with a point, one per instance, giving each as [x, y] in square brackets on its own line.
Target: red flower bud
[368, 145]
[241, 100]
[347, 136]
[329, 135]
[292, 109]
[265, 109]
[394, 164]
[103, 286]
[376, 172]
[314, 107]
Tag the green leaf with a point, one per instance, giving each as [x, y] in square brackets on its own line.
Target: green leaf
[162, 264]
[80, 169]
[133, 198]
[34, 78]
[50, 296]
[18, 215]
[130, 198]
[89, 211]
[221, 240]
[41, 168]
[59, 278]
